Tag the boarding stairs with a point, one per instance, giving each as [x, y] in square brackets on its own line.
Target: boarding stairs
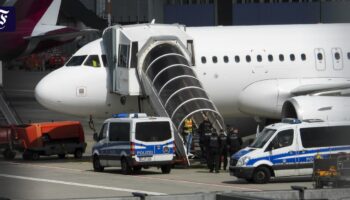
[166, 75]
[8, 115]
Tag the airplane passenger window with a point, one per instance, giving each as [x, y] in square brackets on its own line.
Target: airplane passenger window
[319, 56]
[104, 60]
[215, 59]
[225, 59]
[76, 61]
[337, 55]
[281, 57]
[349, 55]
[204, 60]
[248, 59]
[259, 58]
[237, 59]
[93, 61]
[270, 57]
[303, 57]
[292, 57]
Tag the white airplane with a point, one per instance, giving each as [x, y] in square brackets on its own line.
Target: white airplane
[270, 72]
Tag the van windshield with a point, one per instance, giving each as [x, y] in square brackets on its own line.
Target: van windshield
[262, 138]
[153, 131]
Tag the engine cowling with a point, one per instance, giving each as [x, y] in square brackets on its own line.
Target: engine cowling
[328, 108]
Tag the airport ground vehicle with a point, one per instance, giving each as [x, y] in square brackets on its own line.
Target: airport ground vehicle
[333, 171]
[288, 149]
[6, 147]
[49, 138]
[132, 141]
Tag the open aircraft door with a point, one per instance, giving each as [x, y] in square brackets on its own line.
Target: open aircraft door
[121, 58]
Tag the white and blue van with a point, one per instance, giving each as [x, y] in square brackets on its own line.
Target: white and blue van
[288, 149]
[132, 141]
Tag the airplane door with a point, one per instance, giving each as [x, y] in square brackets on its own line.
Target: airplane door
[122, 71]
[337, 57]
[320, 59]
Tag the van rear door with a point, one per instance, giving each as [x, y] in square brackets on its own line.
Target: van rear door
[283, 153]
[154, 141]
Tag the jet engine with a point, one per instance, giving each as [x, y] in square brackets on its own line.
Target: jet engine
[328, 108]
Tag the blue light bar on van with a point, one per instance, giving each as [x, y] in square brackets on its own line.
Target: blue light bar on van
[120, 115]
[291, 121]
[129, 115]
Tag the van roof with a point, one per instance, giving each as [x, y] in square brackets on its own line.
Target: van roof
[141, 119]
[308, 124]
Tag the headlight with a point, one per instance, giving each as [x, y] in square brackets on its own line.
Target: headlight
[243, 161]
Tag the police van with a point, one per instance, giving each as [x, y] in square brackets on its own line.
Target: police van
[288, 149]
[132, 141]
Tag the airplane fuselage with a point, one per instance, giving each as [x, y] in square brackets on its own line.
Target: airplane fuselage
[246, 71]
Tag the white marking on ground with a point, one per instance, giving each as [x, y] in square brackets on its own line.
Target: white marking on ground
[143, 177]
[79, 184]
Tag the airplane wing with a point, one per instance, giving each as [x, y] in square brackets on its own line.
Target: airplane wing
[318, 88]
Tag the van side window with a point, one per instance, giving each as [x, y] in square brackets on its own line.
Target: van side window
[325, 136]
[119, 131]
[103, 132]
[283, 139]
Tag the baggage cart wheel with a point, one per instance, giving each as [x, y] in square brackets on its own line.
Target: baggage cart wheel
[9, 155]
[35, 155]
[166, 169]
[78, 153]
[261, 175]
[137, 169]
[97, 164]
[126, 169]
[62, 155]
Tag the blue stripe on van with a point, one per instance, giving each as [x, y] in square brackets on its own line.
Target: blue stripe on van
[278, 159]
[150, 150]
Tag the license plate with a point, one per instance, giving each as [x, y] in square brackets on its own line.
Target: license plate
[145, 159]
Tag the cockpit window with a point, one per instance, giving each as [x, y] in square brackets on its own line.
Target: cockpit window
[76, 61]
[104, 60]
[93, 61]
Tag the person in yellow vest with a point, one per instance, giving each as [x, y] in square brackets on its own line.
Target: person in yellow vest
[188, 132]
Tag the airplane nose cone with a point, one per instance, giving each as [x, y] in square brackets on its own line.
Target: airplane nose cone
[47, 90]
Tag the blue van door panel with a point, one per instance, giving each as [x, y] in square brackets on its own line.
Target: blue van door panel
[283, 155]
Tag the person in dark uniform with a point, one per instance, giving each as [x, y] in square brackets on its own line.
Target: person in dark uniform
[223, 149]
[204, 134]
[234, 141]
[214, 152]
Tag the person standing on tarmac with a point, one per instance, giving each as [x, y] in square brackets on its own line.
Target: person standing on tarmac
[223, 149]
[188, 132]
[214, 152]
[204, 135]
[234, 141]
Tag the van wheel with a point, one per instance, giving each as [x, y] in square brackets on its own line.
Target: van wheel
[126, 169]
[78, 153]
[166, 169]
[62, 156]
[97, 164]
[9, 155]
[137, 169]
[35, 155]
[261, 175]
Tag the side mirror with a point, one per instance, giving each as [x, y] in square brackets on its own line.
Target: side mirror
[95, 137]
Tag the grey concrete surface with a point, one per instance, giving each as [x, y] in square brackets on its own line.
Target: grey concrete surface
[51, 178]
